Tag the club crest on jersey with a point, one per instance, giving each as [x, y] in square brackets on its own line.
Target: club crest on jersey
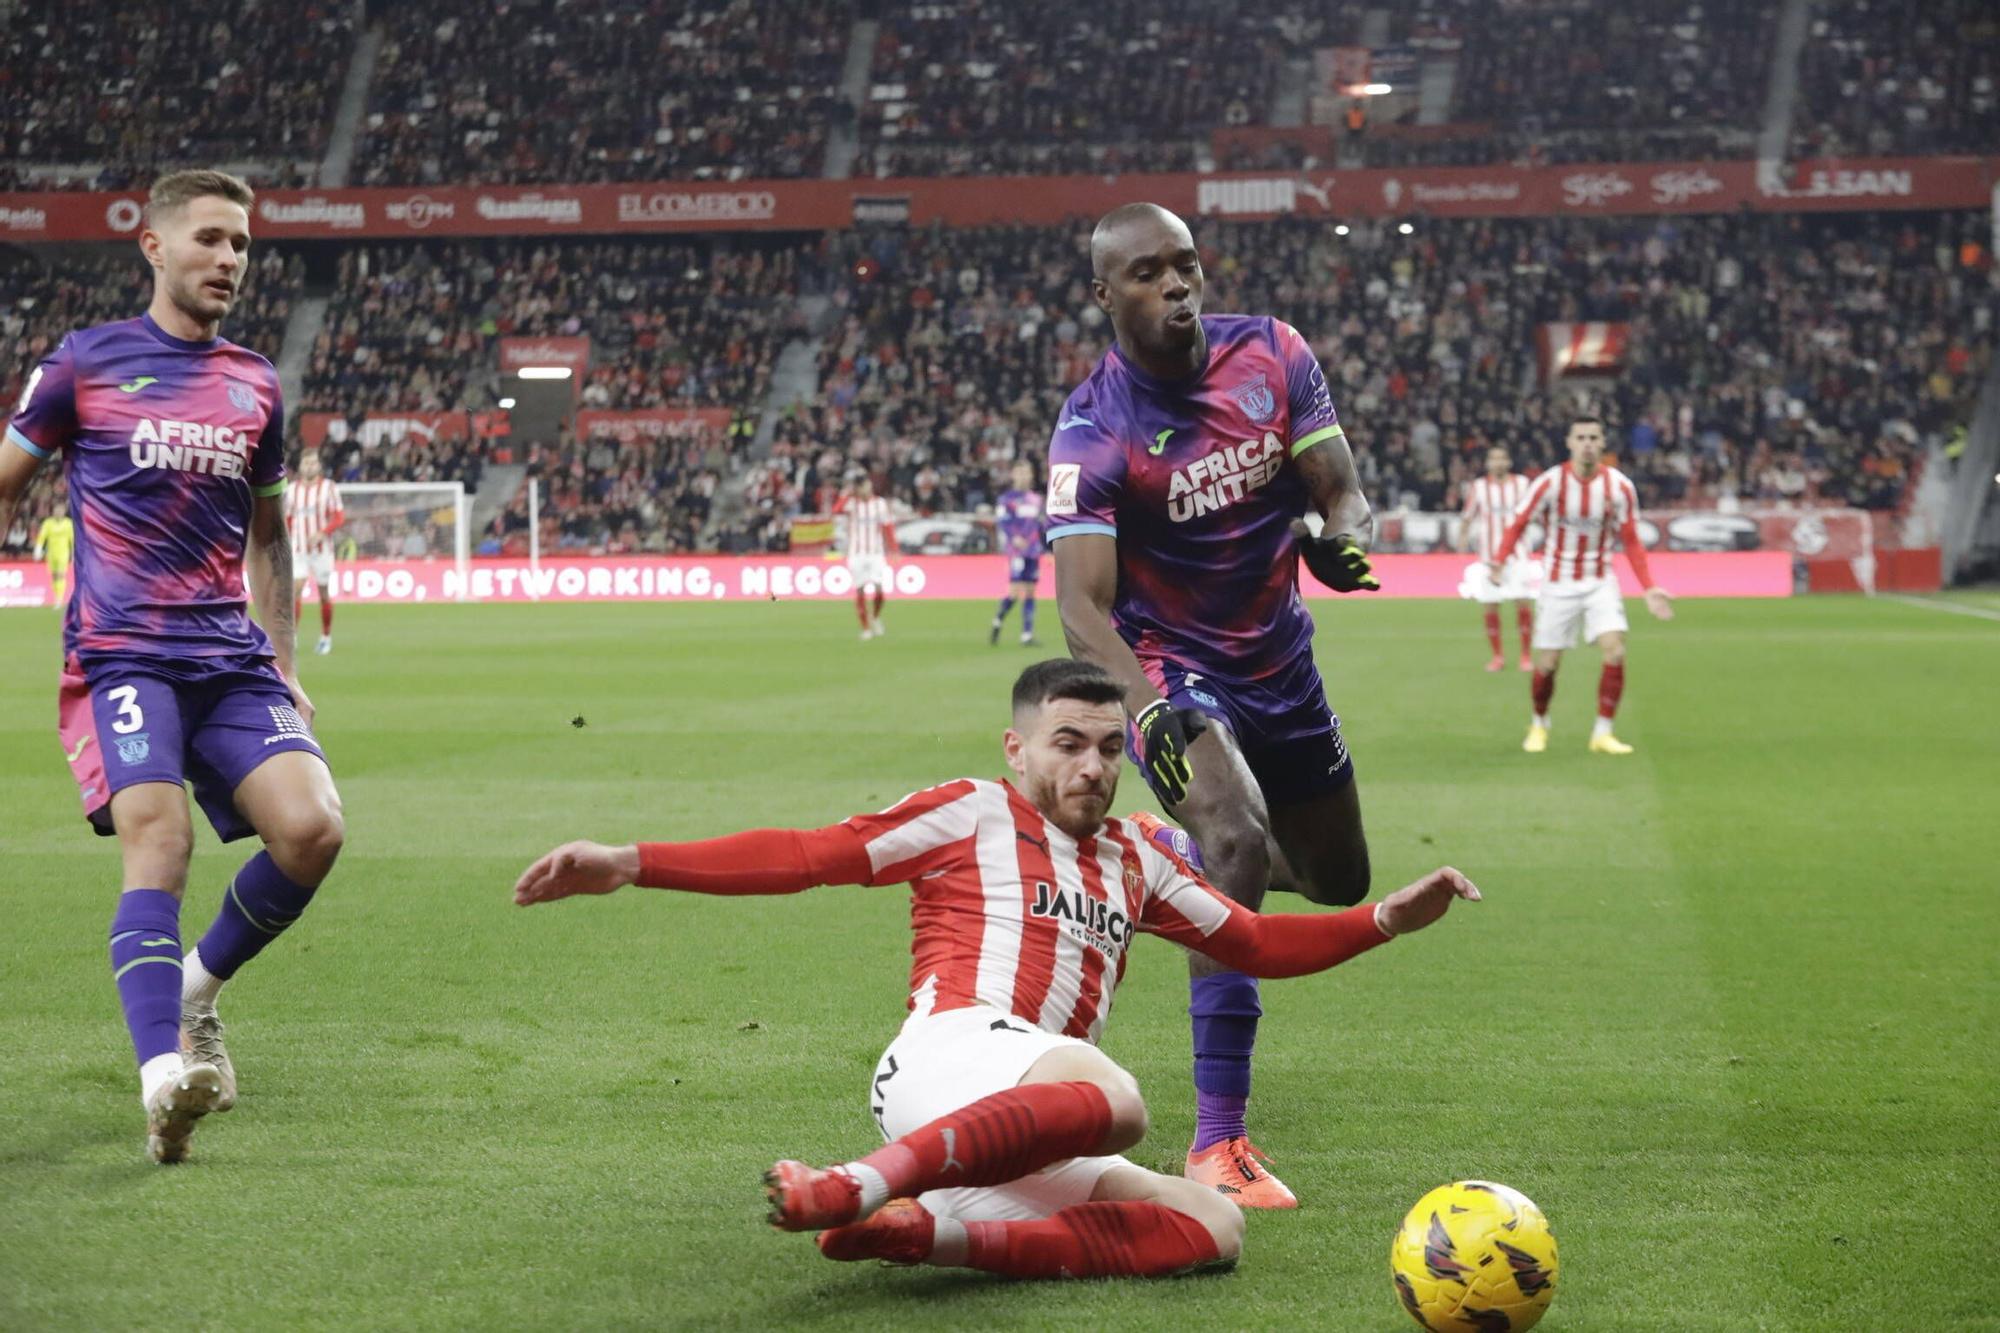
[1256, 399]
[1094, 921]
[134, 749]
[241, 397]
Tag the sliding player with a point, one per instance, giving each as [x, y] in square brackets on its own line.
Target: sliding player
[1019, 518]
[1004, 1119]
[174, 447]
[1581, 506]
[313, 513]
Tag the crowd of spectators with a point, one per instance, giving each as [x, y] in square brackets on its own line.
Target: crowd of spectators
[1773, 359]
[563, 90]
[963, 87]
[106, 94]
[672, 323]
[1879, 79]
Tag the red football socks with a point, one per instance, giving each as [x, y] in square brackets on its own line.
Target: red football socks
[1120, 1238]
[1542, 690]
[878, 601]
[325, 615]
[996, 1139]
[1493, 628]
[1524, 620]
[1610, 688]
[861, 607]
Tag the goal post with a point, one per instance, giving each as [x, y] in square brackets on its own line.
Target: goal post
[406, 521]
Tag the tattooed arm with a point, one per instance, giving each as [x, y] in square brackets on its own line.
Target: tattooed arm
[1327, 468]
[268, 563]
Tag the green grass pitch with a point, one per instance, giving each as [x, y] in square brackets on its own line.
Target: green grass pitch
[1730, 1013]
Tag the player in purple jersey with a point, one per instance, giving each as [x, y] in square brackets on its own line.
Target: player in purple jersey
[1019, 518]
[1179, 475]
[173, 447]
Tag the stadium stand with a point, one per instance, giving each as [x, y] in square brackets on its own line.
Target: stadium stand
[527, 91]
[1877, 78]
[106, 94]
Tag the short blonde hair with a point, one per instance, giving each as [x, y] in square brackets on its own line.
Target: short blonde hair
[178, 189]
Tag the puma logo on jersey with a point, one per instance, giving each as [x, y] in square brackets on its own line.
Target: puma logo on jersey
[1220, 478]
[138, 384]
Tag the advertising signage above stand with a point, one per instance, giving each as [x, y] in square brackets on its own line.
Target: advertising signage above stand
[820, 205]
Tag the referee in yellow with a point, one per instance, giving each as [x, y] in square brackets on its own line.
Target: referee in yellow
[54, 541]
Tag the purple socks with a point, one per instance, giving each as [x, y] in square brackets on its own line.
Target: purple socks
[259, 904]
[1225, 1011]
[146, 965]
[1027, 615]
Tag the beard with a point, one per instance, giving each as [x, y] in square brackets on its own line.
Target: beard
[1067, 813]
[194, 300]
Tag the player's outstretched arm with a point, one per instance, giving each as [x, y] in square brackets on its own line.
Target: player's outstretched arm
[1296, 944]
[762, 861]
[577, 867]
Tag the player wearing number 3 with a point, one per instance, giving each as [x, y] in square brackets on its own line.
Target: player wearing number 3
[1004, 1119]
[173, 442]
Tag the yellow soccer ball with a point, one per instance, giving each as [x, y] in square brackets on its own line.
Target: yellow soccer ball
[1475, 1257]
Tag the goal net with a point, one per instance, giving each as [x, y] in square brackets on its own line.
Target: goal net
[392, 523]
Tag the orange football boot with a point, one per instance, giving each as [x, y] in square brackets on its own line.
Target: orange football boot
[901, 1232]
[1236, 1169]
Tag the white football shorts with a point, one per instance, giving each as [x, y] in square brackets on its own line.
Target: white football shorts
[869, 569]
[1572, 612]
[1518, 579]
[940, 1062]
[315, 565]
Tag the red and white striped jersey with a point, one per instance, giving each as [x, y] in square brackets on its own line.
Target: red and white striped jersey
[1010, 911]
[1581, 517]
[861, 523]
[312, 511]
[1490, 505]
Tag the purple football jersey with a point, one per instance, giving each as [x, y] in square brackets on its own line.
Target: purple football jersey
[166, 442]
[1190, 477]
[1019, 518]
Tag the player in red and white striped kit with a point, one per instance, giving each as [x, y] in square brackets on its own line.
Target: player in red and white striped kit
[1581, 506]
[1491, 501]
[866, 534]
[313, 513]
[1004, 1118]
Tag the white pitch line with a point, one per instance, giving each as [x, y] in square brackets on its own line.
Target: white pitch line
[1932, 604]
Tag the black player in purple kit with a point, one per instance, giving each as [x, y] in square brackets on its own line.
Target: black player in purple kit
[173, 444]
[1179, 475]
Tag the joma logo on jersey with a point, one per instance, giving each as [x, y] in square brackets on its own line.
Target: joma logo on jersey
[190, 446]
[1093, 915]
[1219, 479]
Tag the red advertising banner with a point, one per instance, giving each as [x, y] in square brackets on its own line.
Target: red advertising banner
[661, 423]
[570, 353]
[789, 578]
[818, 205]
[316, 428]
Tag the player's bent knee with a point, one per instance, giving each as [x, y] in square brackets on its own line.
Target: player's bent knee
[1339, 883]
[306, 841]
[1087, 1064]
[1222, 1219]
[1238, 857]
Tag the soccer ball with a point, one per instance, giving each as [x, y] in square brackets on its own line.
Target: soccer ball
[1476, 1257]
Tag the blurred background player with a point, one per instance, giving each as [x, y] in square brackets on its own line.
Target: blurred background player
[54, 541]
[1019, 518]
[173, 441]
[866, 534]
[1581, 505]
[1176, 474]
[313, 513]
[1004, 1117]
[1490, 502]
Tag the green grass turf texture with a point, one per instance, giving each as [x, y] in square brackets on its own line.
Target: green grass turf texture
[1728, 1013]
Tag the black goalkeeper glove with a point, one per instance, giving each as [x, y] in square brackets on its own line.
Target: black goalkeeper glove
[1165, 732]
[1337, 561]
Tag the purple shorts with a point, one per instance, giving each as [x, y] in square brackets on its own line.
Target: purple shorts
[124, 721]
[1288, 734]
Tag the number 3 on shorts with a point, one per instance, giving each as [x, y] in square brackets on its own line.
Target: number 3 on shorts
[130, 718]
